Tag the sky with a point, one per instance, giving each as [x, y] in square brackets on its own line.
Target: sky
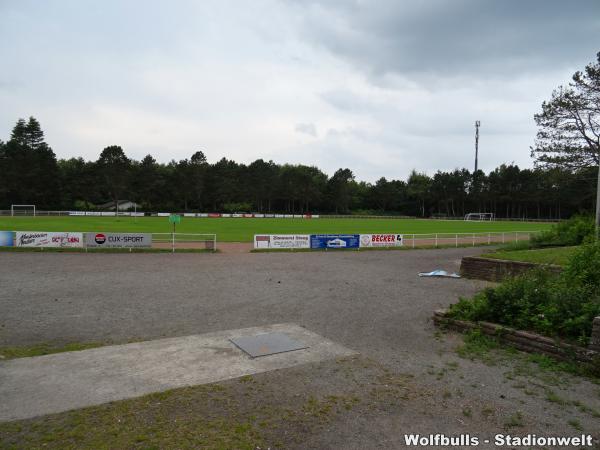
[381, 87]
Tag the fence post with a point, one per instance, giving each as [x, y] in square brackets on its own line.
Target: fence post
[214, 243]
[173, 241]
[473, 239]
[489, 238]
[516, 236]
[456, 240]
[436, 240]
[413, 241]
[503, 237]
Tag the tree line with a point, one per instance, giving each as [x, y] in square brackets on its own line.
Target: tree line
[31, 174]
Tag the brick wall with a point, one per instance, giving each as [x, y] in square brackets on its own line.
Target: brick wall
[524, 340]
[496, 269]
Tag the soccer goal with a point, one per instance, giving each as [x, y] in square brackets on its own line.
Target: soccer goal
[22, 210]
[480, 216]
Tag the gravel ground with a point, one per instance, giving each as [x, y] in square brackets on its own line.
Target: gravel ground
[372, 302]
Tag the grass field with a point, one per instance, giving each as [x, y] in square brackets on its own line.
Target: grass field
[558, 255]
[243, 230]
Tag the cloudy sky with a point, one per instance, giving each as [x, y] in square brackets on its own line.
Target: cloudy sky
[381, 87]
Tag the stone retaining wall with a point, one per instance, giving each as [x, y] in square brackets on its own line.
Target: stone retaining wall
[497, 269]
[526, 341]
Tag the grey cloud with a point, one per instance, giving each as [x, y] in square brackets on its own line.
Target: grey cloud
[456, 38]
[307, 128]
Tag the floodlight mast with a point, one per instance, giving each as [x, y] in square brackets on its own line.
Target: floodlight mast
[477, 124]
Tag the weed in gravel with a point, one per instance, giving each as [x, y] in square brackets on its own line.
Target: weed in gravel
[515, 420]
[575, 424]
[550, 371]
[586, 409]
[552, 397]
[487, 411]
[45, 349]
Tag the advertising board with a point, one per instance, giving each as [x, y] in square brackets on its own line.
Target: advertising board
[118, 240]
[46, 239]
[334, 240]
[6, 239]
[281, 241]
[381, 240]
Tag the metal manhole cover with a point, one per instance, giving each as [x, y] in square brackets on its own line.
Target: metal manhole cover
[267, 344]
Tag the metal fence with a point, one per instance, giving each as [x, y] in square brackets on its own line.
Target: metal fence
[462, 239]
[184, 241]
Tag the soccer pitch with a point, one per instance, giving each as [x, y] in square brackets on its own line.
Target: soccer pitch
[243, 230]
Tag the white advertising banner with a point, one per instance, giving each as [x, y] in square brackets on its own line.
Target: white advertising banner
[47, 239]
[281, 241]
[118, 240]
[380, 240]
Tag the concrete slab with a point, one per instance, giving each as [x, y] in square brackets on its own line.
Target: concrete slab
[267, 344]
[41, 385]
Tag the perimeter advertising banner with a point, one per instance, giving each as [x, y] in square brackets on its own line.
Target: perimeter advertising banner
[6, 238]
[45, 239]
[118, 240]
[334, 240]
[281, 241]
[381, 240]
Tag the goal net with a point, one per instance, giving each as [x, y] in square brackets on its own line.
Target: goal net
[479, 216]
[22, 210]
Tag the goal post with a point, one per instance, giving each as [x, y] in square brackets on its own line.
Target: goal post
[480, 216]
[22, 210]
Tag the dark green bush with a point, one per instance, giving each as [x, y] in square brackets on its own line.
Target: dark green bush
[570, 232]
[563, 305]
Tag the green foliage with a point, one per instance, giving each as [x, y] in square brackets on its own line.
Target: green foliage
[237, 207]
[570, 232]
[569, 123]
[31, 174]
[563, 305]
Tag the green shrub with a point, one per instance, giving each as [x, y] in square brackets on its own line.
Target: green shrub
[570, 232]
[563, 305]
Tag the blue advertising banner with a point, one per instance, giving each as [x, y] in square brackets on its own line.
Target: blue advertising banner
[334, 240]
[6, 238]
